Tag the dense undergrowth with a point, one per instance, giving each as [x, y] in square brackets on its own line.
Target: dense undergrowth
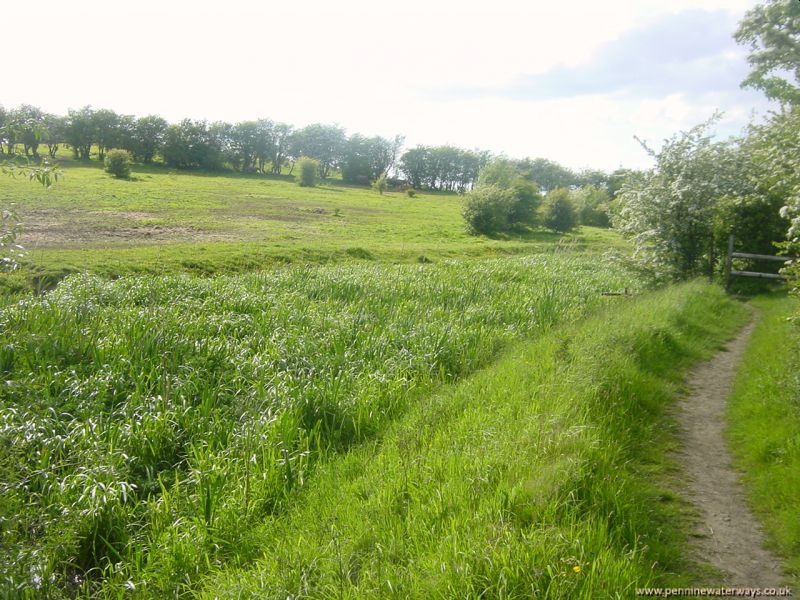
[764, 430]
[541, 476]
[149, 424]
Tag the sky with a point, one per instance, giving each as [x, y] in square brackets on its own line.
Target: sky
[570, 81]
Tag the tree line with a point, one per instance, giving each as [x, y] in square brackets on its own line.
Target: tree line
[264, 146]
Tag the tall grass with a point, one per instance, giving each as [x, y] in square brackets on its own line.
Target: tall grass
[531, 479]
[148, 423]
[764, 431]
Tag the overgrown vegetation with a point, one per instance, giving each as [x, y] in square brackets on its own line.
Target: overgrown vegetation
[150, 423]
[540, 476]
[764, 431]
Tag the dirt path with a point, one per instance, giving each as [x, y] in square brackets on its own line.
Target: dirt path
[728, 536]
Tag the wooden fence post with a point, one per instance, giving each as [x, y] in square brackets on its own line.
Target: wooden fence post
[729, 262]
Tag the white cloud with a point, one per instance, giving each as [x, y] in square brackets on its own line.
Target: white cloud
[364, 64]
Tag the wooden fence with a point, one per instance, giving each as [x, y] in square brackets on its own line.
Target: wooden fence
[730, 272]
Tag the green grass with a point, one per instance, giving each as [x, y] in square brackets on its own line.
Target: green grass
[540, 476]
[167, 221]
[764, 430]
[149, 424]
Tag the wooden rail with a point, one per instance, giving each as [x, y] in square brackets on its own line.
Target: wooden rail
[730, 272]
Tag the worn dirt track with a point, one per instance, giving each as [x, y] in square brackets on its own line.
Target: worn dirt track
[728, 535]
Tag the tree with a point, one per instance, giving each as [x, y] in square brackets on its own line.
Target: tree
[106, 131]
[547, 173]
[592, 205]
[3, 121]
[325, 143]
[669, 211]
[80, 132]
[193, 144]
[524, 194]
[147, 137]
[772, 32]
[365, 159]
[28, 124]
[559, 211]
[54, 133]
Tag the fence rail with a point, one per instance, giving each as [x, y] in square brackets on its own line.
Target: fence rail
[730, 272]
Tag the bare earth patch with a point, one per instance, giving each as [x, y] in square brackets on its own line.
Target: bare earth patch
[728, 535]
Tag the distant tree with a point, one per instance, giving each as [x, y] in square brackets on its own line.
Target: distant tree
[245, 137]
[525, 198]
[80, 132]
[325, 143]
[309, 170]
[119, 163]
[148, 137]
[548, 174]
[54, 133]
[265, 143]
[192, 144]
[559, 211]
[367, 158]
[772, 32]
[106, 130]
[487, 210]
[593, 177]
[28, 125]
[281, 146]
[3, 121]
[442, 167]
[592, 204]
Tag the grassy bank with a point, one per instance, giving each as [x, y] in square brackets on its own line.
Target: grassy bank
[540, 476]
[148, 424]
[764, 431]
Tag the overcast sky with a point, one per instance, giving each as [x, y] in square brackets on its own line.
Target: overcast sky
[570, 81]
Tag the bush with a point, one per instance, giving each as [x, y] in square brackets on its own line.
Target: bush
[118, 163]
[379, 185]
[559, 211]
[411, 193]
[488, 209]
[525, 195]
[308, 171]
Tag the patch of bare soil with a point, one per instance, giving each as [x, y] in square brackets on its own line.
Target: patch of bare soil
[728, 535]
[51, 228]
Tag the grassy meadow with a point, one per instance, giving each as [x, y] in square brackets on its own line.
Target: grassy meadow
[235, 387]
[163, 221]
[150, 423]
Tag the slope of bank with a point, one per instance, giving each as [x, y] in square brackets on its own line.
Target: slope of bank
[539, 476]
[764, 426]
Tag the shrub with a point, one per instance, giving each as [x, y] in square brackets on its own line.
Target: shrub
[411, 192]
[118, 163]
[559, 211]
[308, 171]
[379, 185]
[525, 195]
[488, 209]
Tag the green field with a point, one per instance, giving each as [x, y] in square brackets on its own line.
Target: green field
[149, 423]
[165, 221]
[244, 388]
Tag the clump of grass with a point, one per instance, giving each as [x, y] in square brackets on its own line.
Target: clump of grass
[149, 423]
